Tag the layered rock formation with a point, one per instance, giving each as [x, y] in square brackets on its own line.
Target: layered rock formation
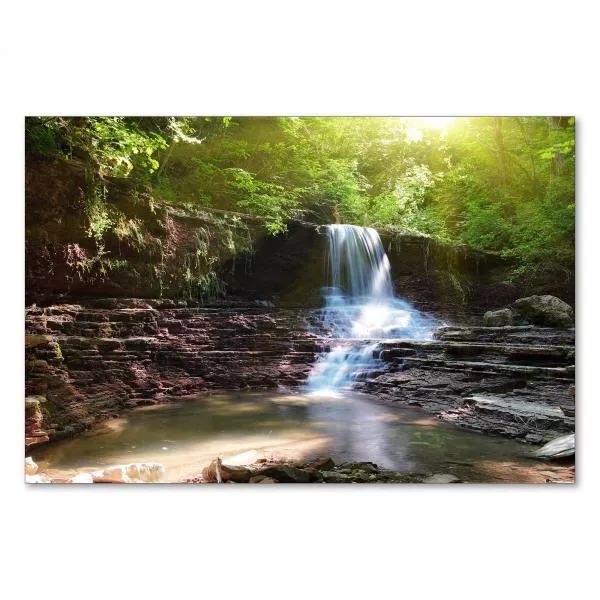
[89, 361]
[514, 381]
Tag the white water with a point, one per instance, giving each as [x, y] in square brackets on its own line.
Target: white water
[360, 309]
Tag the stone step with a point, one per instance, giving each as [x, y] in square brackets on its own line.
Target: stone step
[513, 334]
[551, 356]
[557, 372]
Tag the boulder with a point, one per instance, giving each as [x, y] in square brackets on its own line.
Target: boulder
[498, 318]
[30, 467]
[286, 474]
[548, 311]
[146, 472]
[561, 447]
[366, 467]
[115, 474]
[315, 476]
[262, 479]
[217, 472]
[322, 464]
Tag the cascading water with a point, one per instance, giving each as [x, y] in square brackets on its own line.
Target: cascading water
[360, 309]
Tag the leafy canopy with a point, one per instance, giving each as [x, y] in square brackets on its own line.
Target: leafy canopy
[502, 184]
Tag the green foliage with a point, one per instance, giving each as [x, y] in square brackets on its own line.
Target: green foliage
[100, 214]
[121, 146]
[115, 145]
[497, 184]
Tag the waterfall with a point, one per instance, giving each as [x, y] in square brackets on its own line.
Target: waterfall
[360, 309]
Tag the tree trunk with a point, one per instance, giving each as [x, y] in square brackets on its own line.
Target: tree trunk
[500, 149]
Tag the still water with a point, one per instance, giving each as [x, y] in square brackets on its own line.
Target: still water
[242, 427]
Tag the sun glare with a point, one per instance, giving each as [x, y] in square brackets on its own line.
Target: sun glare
[416, 125]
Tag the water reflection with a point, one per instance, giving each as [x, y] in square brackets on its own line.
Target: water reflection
[349, 427]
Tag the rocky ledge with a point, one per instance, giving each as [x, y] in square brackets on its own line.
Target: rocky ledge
[514, 381]
[87, 362]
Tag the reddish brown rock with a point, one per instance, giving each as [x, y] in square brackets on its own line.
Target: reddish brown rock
[94, 359]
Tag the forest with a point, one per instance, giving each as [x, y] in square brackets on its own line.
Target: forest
[498, 184]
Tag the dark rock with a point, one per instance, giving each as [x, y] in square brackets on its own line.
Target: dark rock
[146, 402]
[262, 479]
[287, 474]
[315, 475]
[366, 467]
[545, 311]
[335, 477]
[322, 464]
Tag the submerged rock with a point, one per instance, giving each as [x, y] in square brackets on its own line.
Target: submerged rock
[561, 447]
[548, 311]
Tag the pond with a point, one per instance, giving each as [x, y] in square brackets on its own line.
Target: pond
[244, 426]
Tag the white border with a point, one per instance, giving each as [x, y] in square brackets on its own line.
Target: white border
[458, 58]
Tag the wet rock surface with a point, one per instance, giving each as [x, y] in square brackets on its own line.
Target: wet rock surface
[558, 449]
[34, 434]
[513, 381]
[278, 471]
[322, 470]
[88, 362]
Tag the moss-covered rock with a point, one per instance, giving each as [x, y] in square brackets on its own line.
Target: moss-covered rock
[548, 311]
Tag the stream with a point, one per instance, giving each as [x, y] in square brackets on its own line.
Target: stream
[242, 427]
